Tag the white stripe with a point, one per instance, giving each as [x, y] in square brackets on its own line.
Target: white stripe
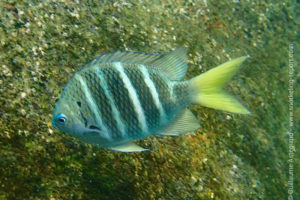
[134, 98]
[115, 111]
[171, 89]
[72, 113]
[153, 91]
[92, 105]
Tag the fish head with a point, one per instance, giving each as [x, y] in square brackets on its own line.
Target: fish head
[68, 117]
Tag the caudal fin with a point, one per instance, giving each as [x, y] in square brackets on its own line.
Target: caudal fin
[207, 88]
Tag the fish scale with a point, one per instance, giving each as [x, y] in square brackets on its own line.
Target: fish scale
[125, 106]
[163, 89]
[103, 103]
[151, 112]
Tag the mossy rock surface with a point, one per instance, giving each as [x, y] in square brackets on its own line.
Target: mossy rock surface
[43, 43]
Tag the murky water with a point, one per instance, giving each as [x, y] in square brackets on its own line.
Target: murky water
[232, 156]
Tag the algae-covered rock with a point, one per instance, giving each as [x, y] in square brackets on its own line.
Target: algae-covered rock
[42, 44]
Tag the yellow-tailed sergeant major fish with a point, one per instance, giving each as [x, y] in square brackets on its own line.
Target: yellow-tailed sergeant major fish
[122, 96]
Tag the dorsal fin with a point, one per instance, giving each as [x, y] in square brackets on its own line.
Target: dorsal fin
[130, 57]
[173, 63]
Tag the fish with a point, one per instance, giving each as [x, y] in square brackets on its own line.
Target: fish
[122, 96]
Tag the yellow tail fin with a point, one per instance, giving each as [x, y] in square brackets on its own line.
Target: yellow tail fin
[208, 92]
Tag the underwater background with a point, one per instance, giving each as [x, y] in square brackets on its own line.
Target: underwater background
[232, 156]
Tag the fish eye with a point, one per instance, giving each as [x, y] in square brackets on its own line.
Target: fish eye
[61, 118]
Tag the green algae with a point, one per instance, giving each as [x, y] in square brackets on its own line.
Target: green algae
[231, 157]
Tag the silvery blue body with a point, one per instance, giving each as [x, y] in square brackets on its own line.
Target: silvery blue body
[122, 96]
[112, 101]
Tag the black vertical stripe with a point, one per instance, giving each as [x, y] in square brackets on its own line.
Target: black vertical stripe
[181, 93]
[151, 112]
[76, 93]
[123, 101]
[102, 102]
[163, 89]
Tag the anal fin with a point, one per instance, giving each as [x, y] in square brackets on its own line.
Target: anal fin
[184, 122]
[128, 147]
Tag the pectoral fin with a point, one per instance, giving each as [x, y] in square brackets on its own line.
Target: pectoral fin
[128, 147]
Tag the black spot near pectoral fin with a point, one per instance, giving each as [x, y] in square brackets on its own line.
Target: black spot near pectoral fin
[94, 127]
